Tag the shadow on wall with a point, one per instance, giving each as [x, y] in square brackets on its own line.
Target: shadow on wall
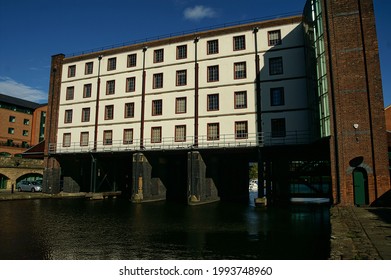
[383, 201]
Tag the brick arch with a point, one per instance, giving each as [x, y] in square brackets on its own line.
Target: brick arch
[13, 174]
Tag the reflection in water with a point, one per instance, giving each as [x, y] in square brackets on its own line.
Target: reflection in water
[117, 229]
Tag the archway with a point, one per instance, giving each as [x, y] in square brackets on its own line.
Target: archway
[360, 186]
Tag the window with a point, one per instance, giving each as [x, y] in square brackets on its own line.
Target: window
[131, 84]
[26, 121]
[68, 116]
[110, 87]
[25, 133]
[240, 99]
[158, 80]
[87, 90]
[70, 93]
[278, 128]
[89, 68]
[275, 66]
[240, 70]
[107, 137]
[157, 107]
[181, 77]
[181, 52]
[180, 133]
[112, 64]
[158, 56]
[84, 138]
[274, 37]
[12, 119]
[128, 136]
[129, 110]
[85, 114]
[241, 130]
[66, 140]
[277, 96]
[213, 131]
[239, 43]
[71, 71]
[156, 135]
[180, 105]
[213, 102]
[213, 47]
[109, 112]
[11, 130]
[132, 60]
[213, 73]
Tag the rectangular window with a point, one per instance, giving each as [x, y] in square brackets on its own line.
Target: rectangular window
[26, 121]
[158, 80]
[181, 52]
[240, 70]
[239, 43]
[274, 37]
[110, 87]
[111, 64]
[240, 99]
[12, 119]
[278, 128]
[156, 135]
[132, 60]
[84, 138]
[180, 133]
[71, 71]
[275, 66]
[25, 133]
[70, 93]
[107, 137]
[277, 96]
[180, 105]
[85, 114]
[213, 132]
[213, 73]
[89, 68]
[128, 136]
[213, 46]
[181, 77]
[131, 84]
[241, 130]
[129, 110]
[158, 55]
[68, 116]
[109, 112]
[87, 90]
[157, 107]
[213, 102]
[11, 130]
[66, 140]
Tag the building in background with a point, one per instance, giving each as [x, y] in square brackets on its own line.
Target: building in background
[301, 94]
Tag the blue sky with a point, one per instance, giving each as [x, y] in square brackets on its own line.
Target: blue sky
[31, 31]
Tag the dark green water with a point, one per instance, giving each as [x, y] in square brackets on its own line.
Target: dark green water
[117, 229]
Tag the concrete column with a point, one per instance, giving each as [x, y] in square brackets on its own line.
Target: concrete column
[145, 188]
[201, 189]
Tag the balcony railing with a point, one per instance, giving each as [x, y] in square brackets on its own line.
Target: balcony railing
[170, 143]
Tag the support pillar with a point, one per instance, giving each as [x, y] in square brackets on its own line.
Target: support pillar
[145, 188]
[200, 189]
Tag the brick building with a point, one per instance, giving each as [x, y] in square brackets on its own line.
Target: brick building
[302, 93]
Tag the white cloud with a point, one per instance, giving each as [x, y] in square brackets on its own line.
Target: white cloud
[12, 88]
[199, 12]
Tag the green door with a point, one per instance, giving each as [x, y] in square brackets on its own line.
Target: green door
[360, 186]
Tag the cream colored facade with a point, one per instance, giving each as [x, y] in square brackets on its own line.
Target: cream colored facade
[294, 108]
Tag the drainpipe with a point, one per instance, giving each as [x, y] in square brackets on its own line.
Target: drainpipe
[143, 102]
[196, 81]
[97, 105]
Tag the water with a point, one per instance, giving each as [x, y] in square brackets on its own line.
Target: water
[117, 229]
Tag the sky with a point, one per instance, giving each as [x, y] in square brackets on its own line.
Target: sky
[31, 31]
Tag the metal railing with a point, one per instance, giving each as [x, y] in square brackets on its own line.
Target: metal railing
[170, 143]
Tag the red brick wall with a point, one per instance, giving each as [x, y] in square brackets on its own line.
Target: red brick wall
[354, 77]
